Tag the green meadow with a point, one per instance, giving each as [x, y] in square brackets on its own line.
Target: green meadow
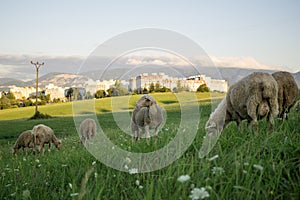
[240, 166]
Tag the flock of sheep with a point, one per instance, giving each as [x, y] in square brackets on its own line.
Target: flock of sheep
[36, 138]
[146, 115]
[256, 96]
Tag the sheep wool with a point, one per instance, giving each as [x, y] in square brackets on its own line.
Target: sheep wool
[287, 92]
[87, 130]
[25, 140]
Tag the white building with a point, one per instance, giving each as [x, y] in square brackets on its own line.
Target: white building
[193, 82]
[55, 92]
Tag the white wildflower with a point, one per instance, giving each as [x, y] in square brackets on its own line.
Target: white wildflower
[213, 158]
[74, 194]
[246, 164]
[125, 166]
[197, 193]
[95, 174]
[141, 187]
[133, 171]
[137, 182]
[26, 194]
[183, 178]
[8, 185]
[245, 172]
[71, 186]
[16, 170]
[127, 160]
[94, 163]
[217, 170]
[24, 159]
[259, 167]
[64, 165]
[37, 160]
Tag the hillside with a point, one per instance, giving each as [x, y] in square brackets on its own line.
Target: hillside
[231, 75]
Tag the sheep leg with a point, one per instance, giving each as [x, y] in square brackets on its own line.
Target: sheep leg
[147, 134]
[251, 110]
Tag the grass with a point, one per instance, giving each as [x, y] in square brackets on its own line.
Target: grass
[262, 167]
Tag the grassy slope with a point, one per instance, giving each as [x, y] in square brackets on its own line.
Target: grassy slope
[51, 176]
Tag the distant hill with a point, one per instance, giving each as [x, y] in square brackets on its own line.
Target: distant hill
[232, 75]
[11, 81]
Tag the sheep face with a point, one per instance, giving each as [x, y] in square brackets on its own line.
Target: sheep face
[57, 144]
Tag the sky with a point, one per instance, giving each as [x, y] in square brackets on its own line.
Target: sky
[233, 33]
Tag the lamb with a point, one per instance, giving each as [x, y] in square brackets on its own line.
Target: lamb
[146, 115]
[25, 140]
[287, 92]
[88, 130]
[254, 95]
[44, 135]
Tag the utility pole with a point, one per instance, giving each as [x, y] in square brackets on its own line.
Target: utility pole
[37, 66]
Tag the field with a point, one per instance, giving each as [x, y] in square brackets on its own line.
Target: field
[240, 166]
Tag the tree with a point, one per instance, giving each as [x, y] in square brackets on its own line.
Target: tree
[4, 102]
[157, 86]
[69, 93]
[100, 94]
[203, 88]
[151, 87]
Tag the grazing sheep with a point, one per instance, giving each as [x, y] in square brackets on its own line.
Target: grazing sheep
[246, 95]
[25, 140]
[88, 130]
[220, 118]
[253, 96]
[287, 92]
[44, 135]
[148, 116]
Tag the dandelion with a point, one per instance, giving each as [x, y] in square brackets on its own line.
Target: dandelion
[183, 178]
[94, 163]
[217, 170]
[71, 186]
[259, 167]
[74, 194]
[133, 171]
[213, 158]
[197, 193]
[26, 194]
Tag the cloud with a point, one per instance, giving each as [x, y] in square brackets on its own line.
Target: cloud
[246, 62]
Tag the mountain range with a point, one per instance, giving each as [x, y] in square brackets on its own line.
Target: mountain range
[231, 75]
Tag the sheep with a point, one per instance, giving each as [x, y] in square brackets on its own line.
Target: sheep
[252, 96]
[244, 97]
[25, 140]
[287, 92]
[297, 106]
[220, 118]
[44, 135]
[146, 115]
[88, 130]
